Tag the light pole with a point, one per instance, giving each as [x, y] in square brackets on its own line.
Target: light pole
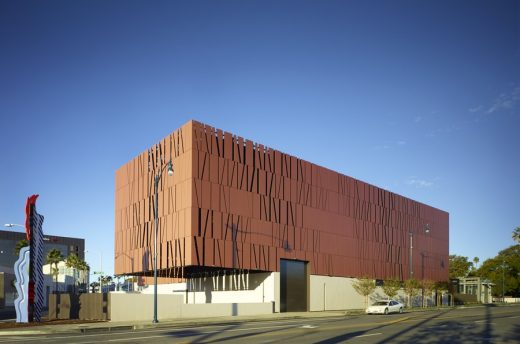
[503, 278]
[100, 272]
[410, 233]
[156, 180]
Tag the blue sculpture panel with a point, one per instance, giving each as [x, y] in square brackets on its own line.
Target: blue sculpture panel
[21, 271]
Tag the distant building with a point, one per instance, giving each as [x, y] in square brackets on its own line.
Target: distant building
[8, 241]
[476, 287]
[242, 222]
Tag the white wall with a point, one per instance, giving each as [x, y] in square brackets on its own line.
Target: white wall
[266, 290]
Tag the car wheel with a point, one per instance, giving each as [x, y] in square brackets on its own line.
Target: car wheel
[386, 311]
[401, 310]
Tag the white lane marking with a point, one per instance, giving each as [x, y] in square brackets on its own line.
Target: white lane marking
[103, 332]
[518, 316]
[142, 331]
[484, 321]
[134, 338]
[309, 326]
[368, 335]
[198, 334]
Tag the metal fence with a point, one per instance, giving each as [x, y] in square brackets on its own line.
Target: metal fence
[79, 306]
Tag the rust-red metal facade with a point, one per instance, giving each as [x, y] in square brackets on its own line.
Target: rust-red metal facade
[232, 203]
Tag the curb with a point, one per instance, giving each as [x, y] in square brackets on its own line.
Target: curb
[81, 328]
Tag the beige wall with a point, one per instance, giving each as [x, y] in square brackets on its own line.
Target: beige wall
[139, 307]
[336, 293]
[125, 307]
[333, 293]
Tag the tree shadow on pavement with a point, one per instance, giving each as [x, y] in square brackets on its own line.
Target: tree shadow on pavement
[451, 331]
[515, 335]
[351, 335]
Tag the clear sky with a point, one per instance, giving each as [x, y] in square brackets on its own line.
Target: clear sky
[418, 97]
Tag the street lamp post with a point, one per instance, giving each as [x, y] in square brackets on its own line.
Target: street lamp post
[503, 279]
[100, 272]
[157, 178]
[410, 233]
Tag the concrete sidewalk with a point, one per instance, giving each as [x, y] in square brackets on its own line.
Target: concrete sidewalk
[133, 325]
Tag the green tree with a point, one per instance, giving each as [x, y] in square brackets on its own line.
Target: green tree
[441, 287]
[516, 234]
[364, 287]
[54, 256]
[428, 287]
[411, 287]
[503, 270]
[459, 266]
[391, 287]
[19, 245]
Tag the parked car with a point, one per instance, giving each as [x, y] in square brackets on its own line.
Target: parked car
[385, 307]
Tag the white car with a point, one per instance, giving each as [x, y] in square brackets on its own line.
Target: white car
[385, 307]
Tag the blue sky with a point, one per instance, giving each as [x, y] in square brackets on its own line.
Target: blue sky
[418, 97]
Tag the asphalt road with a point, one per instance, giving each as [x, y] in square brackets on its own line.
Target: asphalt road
[470, 325]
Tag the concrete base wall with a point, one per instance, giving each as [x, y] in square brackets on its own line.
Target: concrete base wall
[139, 307]
[129, 307]
[337, 293]
[333, 293]
[263, 297]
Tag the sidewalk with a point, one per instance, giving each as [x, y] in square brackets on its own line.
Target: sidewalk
[133, 325]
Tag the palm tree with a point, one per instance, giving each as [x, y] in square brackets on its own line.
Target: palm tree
[476, 260]
[516, 234]
[94, 286]
[83, 267]
[104, 280]
[54, 257]
[72, 262]
[19, 245]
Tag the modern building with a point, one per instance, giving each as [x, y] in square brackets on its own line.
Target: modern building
[241, 221]
[8, 241]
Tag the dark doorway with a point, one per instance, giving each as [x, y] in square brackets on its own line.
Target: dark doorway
[293, 286]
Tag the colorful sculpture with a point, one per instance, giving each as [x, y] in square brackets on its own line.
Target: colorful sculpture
[28, 268]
